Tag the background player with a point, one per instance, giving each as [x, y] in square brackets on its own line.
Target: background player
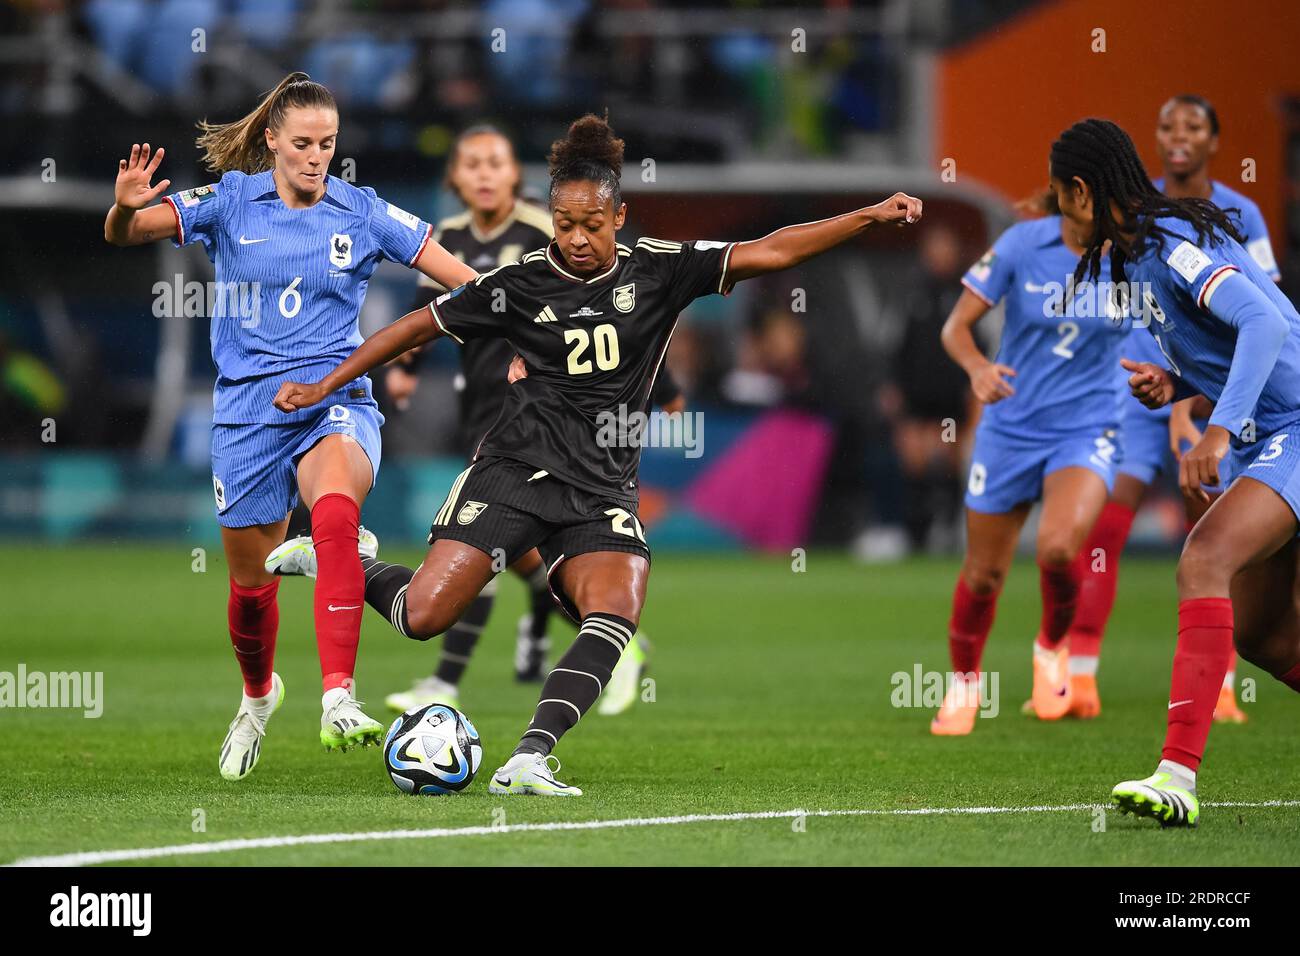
[592, 320]
[1187, 136]
[300, 246]
[1051, 436]
[1224, 331]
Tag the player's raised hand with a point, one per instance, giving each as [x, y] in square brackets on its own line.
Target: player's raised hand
[294, 395]
[517, 371]
[1200, 466]
[1150, 384]
[989, 385]
[899, 209]
[132, 190]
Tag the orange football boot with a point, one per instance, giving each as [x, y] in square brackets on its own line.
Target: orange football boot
[1052, 696]
[1086, 704]
[956, 718]
[1226, 710]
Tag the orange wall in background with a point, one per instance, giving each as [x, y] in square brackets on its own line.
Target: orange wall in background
[1006, 95]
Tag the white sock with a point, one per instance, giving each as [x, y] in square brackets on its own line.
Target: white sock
[1184, 777]
[1082, 664]
[332, 697]
[266, 702]
[1230, 679]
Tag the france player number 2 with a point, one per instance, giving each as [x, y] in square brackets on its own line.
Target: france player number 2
[606, 351]
[291, 292]
[1068, 331]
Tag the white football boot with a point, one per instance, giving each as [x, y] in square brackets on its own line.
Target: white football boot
[298, 555]
[425, 691]
[531, 774]
[343, 723]
[625, 683]
[243, 743]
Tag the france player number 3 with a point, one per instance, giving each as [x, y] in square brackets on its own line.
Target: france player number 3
[287, 310]
[606, 350]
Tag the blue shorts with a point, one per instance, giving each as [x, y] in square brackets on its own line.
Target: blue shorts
[254, 467]
[1007, 470]
[1146, 442]
[1273, 460]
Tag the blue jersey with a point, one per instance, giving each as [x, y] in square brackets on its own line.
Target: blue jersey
[1141, 347]
[289, 284]
[1062, 340]
[1178, 279]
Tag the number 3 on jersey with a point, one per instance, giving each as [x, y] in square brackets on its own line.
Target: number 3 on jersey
[606, 351]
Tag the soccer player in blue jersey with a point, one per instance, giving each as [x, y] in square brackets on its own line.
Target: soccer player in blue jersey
[1187, 135]
[1048, 432]
[1224, 332]
[294, 249]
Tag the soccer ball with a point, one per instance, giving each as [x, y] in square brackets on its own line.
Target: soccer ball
[432, 749]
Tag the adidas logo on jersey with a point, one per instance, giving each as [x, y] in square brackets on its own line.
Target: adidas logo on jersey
[546, 315]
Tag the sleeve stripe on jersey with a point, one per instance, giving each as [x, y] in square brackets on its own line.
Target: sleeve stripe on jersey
[1213, 282]
[180, 227]
[428, 234]
[437, 320]
[978, 294]
[659, 245]
[724, 287]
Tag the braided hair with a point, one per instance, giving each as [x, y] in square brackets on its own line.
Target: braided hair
[1103, 156]
[588, 153]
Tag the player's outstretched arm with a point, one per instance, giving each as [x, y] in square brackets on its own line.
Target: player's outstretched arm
[129, 223]
[794, 244]
[412, 329]
[442, 267]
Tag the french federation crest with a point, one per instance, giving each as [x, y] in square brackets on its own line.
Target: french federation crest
[469, 511]
[340, 250]
[625, 297]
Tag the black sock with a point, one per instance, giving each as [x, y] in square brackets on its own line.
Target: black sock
[299, 523]
[458, 643]
[386, 586]
[577, 680]
[541, 604]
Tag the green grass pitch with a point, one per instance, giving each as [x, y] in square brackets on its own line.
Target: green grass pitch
[772, 692]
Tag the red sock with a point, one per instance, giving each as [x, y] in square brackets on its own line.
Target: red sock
[254, 618]
[1291, 678]
[1060, 590]
[968, 629]
[1097, 587]
[340, 588]
[1200, 662]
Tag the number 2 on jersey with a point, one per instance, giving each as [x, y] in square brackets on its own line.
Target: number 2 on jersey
[606, 351]
[1069, 331]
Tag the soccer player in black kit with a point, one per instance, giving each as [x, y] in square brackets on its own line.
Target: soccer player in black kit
[591, 320]
[496, 229]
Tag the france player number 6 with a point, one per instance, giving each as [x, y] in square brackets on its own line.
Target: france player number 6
[287, 310]
[606, 351]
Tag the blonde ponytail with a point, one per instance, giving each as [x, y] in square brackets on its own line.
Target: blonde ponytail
[241, 145]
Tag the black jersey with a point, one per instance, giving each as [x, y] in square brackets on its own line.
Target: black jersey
[593, 348]
[484, 363]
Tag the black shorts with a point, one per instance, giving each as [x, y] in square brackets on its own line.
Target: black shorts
[505, 508]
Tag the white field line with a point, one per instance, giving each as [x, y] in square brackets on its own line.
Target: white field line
[309, 839]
